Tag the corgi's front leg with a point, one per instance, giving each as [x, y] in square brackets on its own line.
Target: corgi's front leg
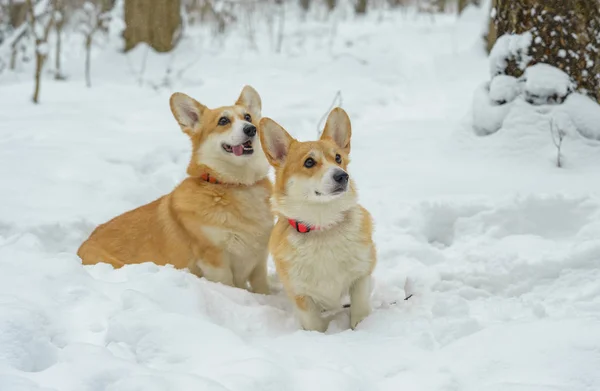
[259, 278]
[309, 314]
[360, 307]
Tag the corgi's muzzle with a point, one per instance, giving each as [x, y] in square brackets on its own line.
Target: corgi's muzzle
[335, 183]
[246, 147]
[340, 178]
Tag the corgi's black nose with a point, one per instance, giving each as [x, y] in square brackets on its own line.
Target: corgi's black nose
[250, 130]
[340, 177]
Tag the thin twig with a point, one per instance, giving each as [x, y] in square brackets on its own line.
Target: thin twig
[338, 96]
[557, 140]
[390, 303]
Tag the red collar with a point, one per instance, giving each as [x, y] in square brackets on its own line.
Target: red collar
[303, 227]
[210, 179]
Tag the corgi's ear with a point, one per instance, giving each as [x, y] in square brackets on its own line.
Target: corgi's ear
[275, 141]
[338, 129]
[250, 99]
[187, 111]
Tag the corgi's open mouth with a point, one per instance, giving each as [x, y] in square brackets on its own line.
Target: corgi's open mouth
[239, 150]
[338, 190]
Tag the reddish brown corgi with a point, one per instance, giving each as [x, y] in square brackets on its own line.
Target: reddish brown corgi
[217, 222]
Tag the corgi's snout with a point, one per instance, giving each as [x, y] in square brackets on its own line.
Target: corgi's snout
[340, 177]
[249, 130]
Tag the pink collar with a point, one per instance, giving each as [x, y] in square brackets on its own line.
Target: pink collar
[303, 227]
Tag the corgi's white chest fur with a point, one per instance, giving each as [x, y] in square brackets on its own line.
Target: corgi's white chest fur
[325, 263]
[255, 221]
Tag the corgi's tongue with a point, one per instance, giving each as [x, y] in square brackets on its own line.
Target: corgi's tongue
[238, 150]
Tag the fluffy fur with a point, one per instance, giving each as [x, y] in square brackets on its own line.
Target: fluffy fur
[217, 230]
[319, 267]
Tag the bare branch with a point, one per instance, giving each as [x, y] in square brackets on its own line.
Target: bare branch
[338, 96]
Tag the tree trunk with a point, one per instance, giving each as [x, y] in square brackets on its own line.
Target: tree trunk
[331, 4]
[59, 27]
[155, 22]
[39, 65]
[361, 7]
[492, 34]
[462, 4]
[17, 13]
[566, 34]
[88, 62]
[305, 5]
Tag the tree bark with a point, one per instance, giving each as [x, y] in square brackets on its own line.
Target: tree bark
[155, 22]
[566, 34]
[361, 7]
[41, 54]
[88, 62]
[462, 4]
[17, 13]
[39, 66]
[59, 24]
[305, 5]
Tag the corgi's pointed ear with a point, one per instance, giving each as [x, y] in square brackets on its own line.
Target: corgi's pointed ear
[187, 111]
[250, 99]
[275, 141]
[338, 129]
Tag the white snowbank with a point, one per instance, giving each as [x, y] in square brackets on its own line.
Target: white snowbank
[584, 113]
[488, 114]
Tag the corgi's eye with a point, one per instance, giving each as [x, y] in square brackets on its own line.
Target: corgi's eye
[248, 118]
[310, 162]
[338, 159]
[223, 121]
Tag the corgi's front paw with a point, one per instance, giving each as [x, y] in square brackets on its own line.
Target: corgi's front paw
[358, 316]
[313, 322]
[262, 289]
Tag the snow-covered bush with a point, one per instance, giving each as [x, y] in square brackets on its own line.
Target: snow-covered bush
[488, 114]
[504, 89]
[510, 50]
[546, 84]
[543, 88]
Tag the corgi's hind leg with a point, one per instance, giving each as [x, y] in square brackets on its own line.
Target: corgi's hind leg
[91, 255]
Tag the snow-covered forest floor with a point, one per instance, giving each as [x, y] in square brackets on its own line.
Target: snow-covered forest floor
[499, 247]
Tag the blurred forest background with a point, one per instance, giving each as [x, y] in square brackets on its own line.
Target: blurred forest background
[566, 33]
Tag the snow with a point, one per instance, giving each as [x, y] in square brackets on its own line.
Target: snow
[89, 8]
[488, 112]
[43, 48]
[504, 88]
[499, 247]
[584, 114]
[543, 81]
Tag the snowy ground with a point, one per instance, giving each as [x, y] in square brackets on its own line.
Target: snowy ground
[500, 248]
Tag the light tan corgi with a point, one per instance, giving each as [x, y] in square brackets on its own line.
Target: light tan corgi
[321, 243]
[217, 222]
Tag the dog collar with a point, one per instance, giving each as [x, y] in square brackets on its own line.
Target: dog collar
[303, 228]
[210, 179]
